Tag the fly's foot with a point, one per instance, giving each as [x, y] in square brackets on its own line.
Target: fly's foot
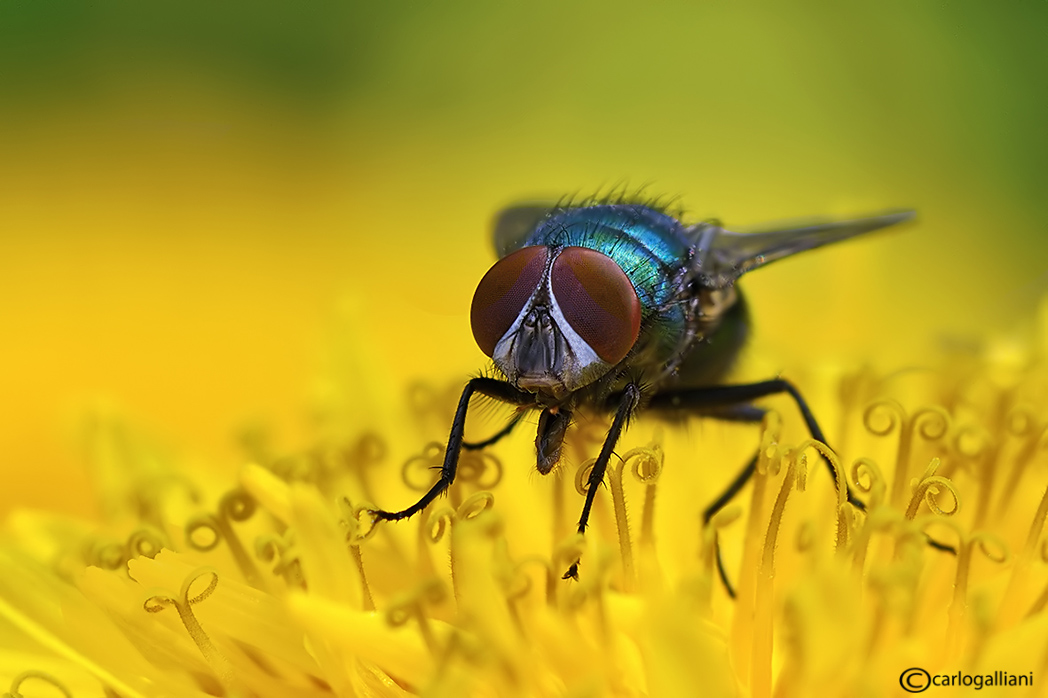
[381, 515]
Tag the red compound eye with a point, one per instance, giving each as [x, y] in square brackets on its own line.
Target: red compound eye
[502, 294]
[598, 300]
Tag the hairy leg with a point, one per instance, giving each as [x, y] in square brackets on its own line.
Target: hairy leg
[500, 390]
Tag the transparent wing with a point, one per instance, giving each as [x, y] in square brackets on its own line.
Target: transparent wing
[724, 256]
[513, 225]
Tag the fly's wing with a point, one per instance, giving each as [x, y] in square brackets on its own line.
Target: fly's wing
[513, 225]
[724, 256]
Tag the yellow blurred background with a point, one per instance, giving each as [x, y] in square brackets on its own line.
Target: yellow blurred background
[202, 205]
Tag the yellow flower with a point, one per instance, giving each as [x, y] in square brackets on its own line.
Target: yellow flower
[280, 584]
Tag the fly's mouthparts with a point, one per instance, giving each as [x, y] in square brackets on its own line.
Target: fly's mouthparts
[539, 346]
[545, 383]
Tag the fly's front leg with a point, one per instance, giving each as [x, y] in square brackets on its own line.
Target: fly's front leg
[627, 404]
[500, 390]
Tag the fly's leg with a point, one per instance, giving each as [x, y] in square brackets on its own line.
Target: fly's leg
[500, 390]
[713, 397]
[627, 404]
[712, 400]
[503, 433]
[750, 414]
[732, 403]
[722, 501]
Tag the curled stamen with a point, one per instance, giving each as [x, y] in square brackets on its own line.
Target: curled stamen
[992, 547]
[144, 542]
[517, 583]
[184, 603]
[370, 449]
[769, 456]
[354, 520]
[413, 605]
[107, 555]
[582, 476]
[931, 423]
[473, 465]
[646, 467]
[298, 467]
[16, 683]
[769, 462]
[879, 519]
[281, 549]
[431, 458]
[647, 463]
[204, 522]
[890, 412]
[622, 527]
[357, 520]
[760, 677]
[1021, 422]
[928, 489]
[866, 478]
[237, 505]
[441, 519]
[521, 582]
[421, 398]
[795, 479]
[971, 441]
[426, 401]
[831, 457]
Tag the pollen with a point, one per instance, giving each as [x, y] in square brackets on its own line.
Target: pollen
[279, 583]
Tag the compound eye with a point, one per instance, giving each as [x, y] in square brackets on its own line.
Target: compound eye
[502, 294]
[598, 300]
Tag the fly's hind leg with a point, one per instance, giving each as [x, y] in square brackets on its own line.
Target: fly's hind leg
[499, 390]
[729, 493]
[713, 399]
[732, 403]
[627, 403]
[749, 414]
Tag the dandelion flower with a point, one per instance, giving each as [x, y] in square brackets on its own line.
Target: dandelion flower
[279, 583]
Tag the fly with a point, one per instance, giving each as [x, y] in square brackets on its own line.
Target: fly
[618, 307]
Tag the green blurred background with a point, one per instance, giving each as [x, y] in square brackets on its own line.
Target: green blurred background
[203, 204]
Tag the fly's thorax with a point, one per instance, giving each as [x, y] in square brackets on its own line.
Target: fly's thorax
[555, 319]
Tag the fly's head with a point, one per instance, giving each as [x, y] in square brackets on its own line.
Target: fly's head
[555, 319]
